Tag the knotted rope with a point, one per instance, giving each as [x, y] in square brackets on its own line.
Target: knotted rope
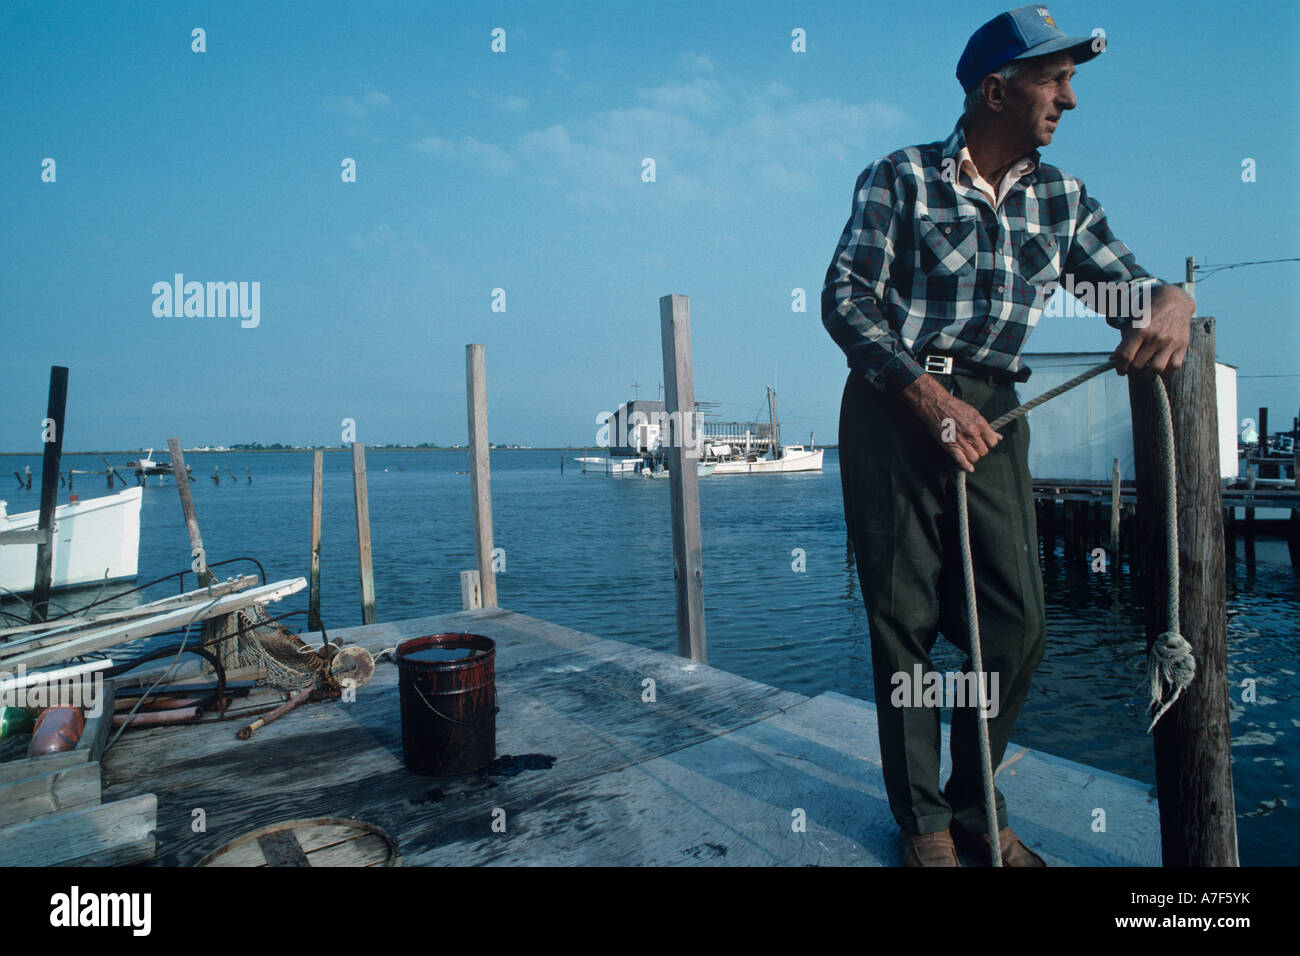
[1170, 660]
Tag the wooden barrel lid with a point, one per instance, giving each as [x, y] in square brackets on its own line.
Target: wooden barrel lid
[319, 841]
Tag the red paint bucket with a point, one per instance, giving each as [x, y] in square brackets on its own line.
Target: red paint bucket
[447, 685]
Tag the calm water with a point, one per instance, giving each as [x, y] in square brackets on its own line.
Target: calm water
[595, 554]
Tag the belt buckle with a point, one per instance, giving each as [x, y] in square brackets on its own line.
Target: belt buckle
[938, 364]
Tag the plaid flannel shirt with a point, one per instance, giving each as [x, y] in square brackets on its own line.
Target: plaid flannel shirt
[927, 263]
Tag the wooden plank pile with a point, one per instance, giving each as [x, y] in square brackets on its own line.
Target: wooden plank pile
[39, 645]
[52, 813]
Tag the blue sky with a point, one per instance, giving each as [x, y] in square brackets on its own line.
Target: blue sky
[522, 170]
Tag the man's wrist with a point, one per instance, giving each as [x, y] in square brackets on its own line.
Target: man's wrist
[923, 390]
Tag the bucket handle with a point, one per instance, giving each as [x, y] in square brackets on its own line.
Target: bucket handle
[460, 723]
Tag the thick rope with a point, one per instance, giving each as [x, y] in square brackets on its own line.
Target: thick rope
[1170, 661]
[977, 661]
[1051, 393]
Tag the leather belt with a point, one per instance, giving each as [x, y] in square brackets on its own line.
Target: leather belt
[938, 363]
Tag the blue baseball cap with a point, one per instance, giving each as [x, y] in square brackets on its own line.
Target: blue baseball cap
[1017, 35]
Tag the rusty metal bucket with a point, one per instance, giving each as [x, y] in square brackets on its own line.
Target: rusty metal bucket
[447, 685]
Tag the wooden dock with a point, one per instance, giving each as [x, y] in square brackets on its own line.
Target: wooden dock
[716, 770]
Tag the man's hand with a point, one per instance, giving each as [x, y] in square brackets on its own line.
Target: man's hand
[957, 426]
[1161, 344]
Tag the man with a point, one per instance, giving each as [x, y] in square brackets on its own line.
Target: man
[942, 271]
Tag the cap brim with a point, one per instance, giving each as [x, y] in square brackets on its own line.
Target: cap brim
[1080, 47]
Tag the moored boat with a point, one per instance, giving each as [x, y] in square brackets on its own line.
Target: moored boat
[93, 540]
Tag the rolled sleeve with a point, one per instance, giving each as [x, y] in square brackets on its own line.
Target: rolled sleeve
[857, 282]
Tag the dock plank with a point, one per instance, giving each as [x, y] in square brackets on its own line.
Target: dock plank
[32, 797]
[711, 772]
[108, 834]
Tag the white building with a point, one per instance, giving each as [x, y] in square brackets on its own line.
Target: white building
[1077, 435]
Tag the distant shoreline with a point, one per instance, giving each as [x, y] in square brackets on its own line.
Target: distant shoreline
[290, 451]
[273, 451]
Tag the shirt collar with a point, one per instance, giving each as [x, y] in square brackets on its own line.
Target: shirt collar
[955, 146]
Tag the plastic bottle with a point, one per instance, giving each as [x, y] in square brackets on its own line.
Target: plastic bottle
[57, 729]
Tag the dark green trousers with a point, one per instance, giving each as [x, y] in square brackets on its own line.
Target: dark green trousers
[900, 506]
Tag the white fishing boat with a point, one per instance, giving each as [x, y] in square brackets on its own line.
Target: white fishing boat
[610, 466]
[147, 466]
[94, 540]
[748, 448]
[791, 458]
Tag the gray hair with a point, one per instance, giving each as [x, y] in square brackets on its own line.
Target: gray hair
[976, 96]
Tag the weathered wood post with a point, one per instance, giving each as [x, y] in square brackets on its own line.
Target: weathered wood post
[681, 439]
[221, 630]
[205, 577]
[317, 500]
[471, 592]
[52, 439]
[1114, 511]
[480, 471]
[1250, 517]
[1047, 528]
[364, 556]
[1192, 740]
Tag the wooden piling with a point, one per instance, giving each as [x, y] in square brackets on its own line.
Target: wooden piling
[1069, 535]
[50, 460]
[1114, 510]
[317, 498]
[112, 472]
[363, 533]
[1250, 518]
[221, 629]
[1192, 740]
[682, 455]
[1048, 527]
[471, 592]
[205, 576]
[480, 471]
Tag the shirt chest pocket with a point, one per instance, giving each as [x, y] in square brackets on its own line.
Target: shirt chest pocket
[947, 244]
[1040, 258]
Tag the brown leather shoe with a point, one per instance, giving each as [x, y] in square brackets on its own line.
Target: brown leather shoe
[928, 849]
[1014, 852]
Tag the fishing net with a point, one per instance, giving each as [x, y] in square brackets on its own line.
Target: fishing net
[290, 663]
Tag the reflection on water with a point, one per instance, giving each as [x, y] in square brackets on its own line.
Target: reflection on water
[595, 553]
